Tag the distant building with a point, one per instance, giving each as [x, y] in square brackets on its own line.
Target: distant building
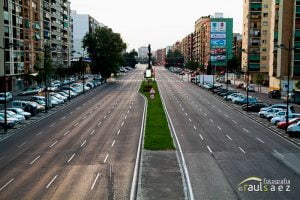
[187, 46]
[82, 24]
[161, 56]
[143, 52]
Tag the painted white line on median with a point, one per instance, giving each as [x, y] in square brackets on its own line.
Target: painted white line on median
[260, 140]
[99, 123]
[76, 124]
[39, 133]
[234, 121]
[122, 124]
[205, 114]
[118, 132]
[226, 116]
[52, 125]
[21, 144]
[195, 127]
[94, 183]
[83, 143]
[53, 144]
[93, 131]
[212, 121]
[186, 114]
[33, 161]
[113, 143]
[6, 184]
[182, 109]
[278, 153]
[228, 137]
[190, 120]
[209, 149]
[201, 137]
[50, 183]
[242, 150]
[125, 117]
[128, 112]
[245, 130]
[105, 117]
[66, 133]
[106, 158]
[71, 157]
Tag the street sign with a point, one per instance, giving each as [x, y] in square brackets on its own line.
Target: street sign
[148, 73]
[152, 91]
[152, 96]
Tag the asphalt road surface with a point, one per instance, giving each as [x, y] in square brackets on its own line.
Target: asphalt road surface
[87, 150]
[223, 147]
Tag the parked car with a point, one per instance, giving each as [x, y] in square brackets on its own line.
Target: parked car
[254, 107]
[240, 85]
[250, 88]
[294, 129]
[281, 106]
[25, 105]
[243, 100]
[283, 124]
[11, 114]
[30, 91]
[9, 97]
[42, 101]
[274, 94]
[276, 114]
[40, 108]
[265, 113]
[276, 120]
[20, 111]
[10, 122]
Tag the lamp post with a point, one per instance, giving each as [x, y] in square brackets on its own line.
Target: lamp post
[289, 49]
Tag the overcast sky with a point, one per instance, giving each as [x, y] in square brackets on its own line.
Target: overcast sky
[156, 22]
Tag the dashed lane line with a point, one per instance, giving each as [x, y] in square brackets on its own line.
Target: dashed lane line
[201, 137]
[6, 184]
[228, 137]
[52, 180]
[33, 161]
[209, 149]
[71, 157]
[242, 150]
[94, 183]
[52, 145]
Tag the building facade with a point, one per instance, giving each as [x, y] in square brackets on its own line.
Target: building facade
[213, 39]
[82, 24]
[143, 52]
[187, 46]
[161, 56]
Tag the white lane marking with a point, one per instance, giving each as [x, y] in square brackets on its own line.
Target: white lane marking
[219, 127]
[130, 107]
[92, 112]
[213, 106]
[234, 121]
[71, 157]
[208, 103]
[228, 137]
[21, 144]
[71, 112]
[122, 124]
[219, 110]
[226, 116]
[278, 153]
[52, 125]
[182, 109]
[205, 114]
[76, 124]
[245, 130]
[83, 143]
[260, 140]
[93, 131]
[39, 133]
[186, 114]
[200, 109]
[50, 183]
[113, 143]
[209, 149]
[242, 150]
[105, 117]
[106, 158]
[94, 183]
[99, 123]
[125, 117]
[66, 133]
[53, 144]
[78, 108]
[33, 161]
[84, 117]
[128, 111]
[64, 117]
[6, 184]
[212, 121]
[195, 127]
[201, 137]
[118, 132]
[190, 120]
[83, 104]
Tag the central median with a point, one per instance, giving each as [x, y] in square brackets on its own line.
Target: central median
[157, 134]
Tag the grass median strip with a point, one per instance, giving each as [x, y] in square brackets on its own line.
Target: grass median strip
[157, 135]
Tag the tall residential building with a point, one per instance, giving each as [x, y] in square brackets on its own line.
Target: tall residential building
[161, 56]
[82, 24]
[143, 52]
[256, 38]
[237, 49]
[187, 46]
[285, 29]
[213, 38]
[177, 46]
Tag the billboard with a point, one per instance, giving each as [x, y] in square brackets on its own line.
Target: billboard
[218, 58]
[218, 36]
[218, 51]
[218, 43]
[218, 27]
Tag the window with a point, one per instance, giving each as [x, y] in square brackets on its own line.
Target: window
[264, 49]
[265, 32]
[265, 23]
[265, 14]
[264, 57]
[265, 6]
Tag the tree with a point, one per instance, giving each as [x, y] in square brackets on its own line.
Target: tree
[174, 58]
[259, 81]
[130, 58]
[234, 64]
[105, 50]
[44, 65]
[192, 65]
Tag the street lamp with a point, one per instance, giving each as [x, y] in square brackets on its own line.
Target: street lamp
[289, 49]
[5, 85]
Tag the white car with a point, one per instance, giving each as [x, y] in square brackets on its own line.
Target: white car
[276, 120]
[294, 129]
[20, 111]
[8, 96]
[276, 114]
[265, 113]
[11, 114]
[281, 106]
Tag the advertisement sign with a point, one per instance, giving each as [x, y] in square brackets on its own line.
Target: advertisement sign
[148, 73]
[218, 51]
[218, 27]
[217, 36]
[218, 43]
[218, 58]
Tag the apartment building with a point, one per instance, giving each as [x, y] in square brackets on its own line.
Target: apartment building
[82, 24]
[143, 52]
[187, 45]
[161, 56]
[213, 39]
